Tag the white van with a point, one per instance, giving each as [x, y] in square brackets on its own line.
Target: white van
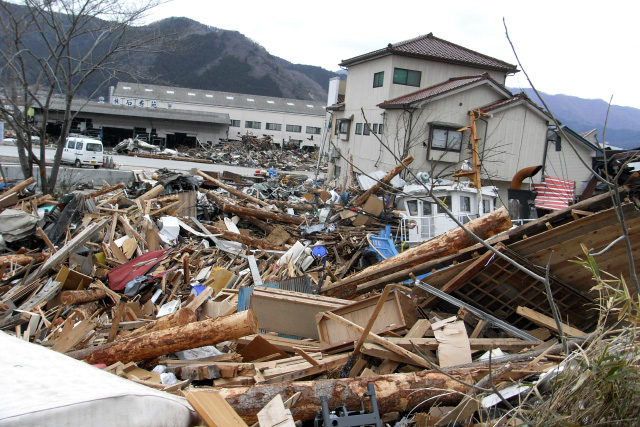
[82, 150]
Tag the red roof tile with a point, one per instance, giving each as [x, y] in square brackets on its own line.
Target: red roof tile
[432, 91]
[431, 47]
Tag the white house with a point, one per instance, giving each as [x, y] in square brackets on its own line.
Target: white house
[418, 98]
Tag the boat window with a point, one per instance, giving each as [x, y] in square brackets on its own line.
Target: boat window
[426, 208]
[412, 207]
[446, 200]
[486, 206]
[465, 204]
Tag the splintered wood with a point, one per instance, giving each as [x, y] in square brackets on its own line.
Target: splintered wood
[257, 293]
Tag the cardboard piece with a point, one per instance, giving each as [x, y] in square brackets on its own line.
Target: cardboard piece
[454, 348]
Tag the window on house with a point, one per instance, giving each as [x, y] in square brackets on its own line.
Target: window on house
[375, 128]
[380, 129]
[366, 130]
[274, 126]
[406, 77]
[234, 123]
[465, 204]
[446, 200]
[344, 126]
[313, 130]
[358, 128]
[294, 128]
[446, 139]
[252, 125]
[378, 79]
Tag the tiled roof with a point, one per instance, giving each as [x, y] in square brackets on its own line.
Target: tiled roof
[431, 47]
[494, 106]
[432, 91]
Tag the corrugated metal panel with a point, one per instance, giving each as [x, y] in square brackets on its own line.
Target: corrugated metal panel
[554, 193]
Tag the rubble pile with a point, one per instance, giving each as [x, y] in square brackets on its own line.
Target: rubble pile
[262, 302]
[249, 152]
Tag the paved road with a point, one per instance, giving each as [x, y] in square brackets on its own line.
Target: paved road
[130, 163]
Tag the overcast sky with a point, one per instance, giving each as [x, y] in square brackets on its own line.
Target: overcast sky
[587, 49]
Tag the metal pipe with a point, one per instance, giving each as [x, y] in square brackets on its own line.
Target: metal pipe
[528, 172]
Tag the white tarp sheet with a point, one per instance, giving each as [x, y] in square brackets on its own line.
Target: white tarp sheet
[46, 388]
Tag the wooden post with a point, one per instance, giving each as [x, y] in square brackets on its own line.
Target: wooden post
[179, 338]
[384, 181]
[261, 213]
[155, 191]
[232, 190]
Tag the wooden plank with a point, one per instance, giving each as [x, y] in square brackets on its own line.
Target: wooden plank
[397, 314]
[464, 276]
[274, 414]
[378, 340]
[418, 330]
[548, 322]
[258, 348]
[67, 249]
[276, 309]
[214, 410]
[70, 337]
[117, 318]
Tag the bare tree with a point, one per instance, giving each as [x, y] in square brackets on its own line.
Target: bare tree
[50, 49]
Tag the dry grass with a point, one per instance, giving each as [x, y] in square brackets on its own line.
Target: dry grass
[600, 383]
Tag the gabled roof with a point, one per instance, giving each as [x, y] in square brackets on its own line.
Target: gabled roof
[518, 99]
[580, 138]
[434, 48]
[443, 88]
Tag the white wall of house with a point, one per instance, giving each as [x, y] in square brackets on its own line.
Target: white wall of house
[514, 140]
[565, 163]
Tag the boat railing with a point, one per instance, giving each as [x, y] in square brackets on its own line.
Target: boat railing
[416, 229]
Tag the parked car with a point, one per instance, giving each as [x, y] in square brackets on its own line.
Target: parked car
[135, 145]
[82, 150]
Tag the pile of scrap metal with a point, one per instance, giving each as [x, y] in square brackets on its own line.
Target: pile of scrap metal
[266, 312]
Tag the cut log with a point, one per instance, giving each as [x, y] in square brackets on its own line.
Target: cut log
[179, 338]
[80, 297]
[398, 392]
[261, 213]
[22, 259]
[446, 244]
[384, 181]
[181, 317]
[245, 240]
